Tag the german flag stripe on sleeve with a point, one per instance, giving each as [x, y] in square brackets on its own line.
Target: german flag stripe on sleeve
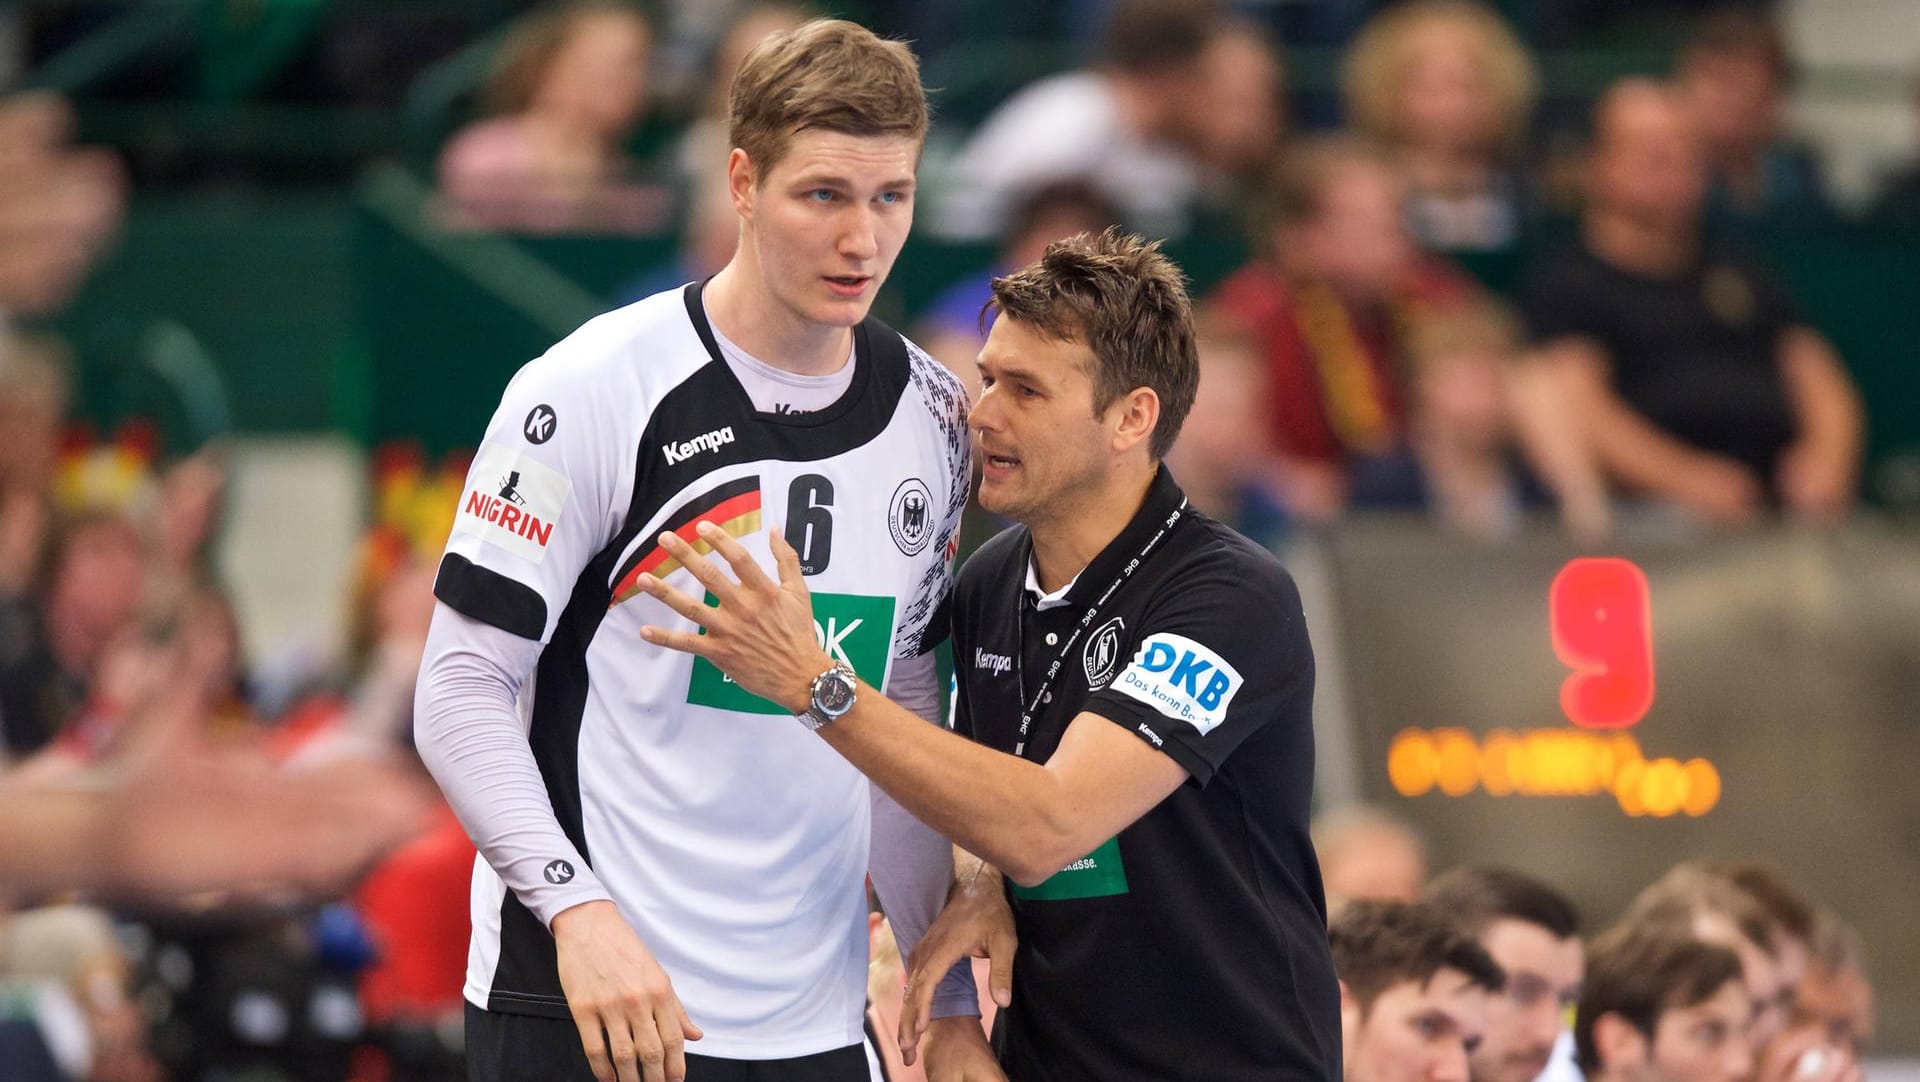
[734, 507]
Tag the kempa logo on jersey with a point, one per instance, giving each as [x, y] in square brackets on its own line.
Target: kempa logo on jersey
[708, 441]
[854, 629]
[513, 502]
[997, 664]
[1182, 679]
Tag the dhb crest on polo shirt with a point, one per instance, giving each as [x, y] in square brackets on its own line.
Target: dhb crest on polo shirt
[1102, 656]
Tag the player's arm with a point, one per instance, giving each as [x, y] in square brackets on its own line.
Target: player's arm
[1027, 819]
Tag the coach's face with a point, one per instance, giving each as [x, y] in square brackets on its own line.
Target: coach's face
[1040, 441]
[826, 222]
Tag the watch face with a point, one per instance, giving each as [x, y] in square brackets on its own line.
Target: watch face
[834, 694]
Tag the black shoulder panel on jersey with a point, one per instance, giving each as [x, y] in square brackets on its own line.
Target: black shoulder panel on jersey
[490, 597]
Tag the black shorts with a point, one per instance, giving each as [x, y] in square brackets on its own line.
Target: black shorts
[524, 1048]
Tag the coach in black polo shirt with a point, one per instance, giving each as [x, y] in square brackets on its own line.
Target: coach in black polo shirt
[1138, 681]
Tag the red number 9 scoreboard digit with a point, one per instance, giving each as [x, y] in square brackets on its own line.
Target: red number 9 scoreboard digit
[1602, 624]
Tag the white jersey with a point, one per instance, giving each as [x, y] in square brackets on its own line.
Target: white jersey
[734, 841]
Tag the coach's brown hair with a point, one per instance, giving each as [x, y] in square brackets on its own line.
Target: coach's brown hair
[1123, 299]
[827, 74]
[1377, 945]
[1640, 971]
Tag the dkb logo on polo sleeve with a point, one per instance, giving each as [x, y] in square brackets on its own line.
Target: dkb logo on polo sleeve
[1181, 679]
[855, 629]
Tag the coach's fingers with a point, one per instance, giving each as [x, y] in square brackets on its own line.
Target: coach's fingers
[787, 559]
[684, 604]
[1000, 947]
[684, 641]
[737, 557]
[703, 569]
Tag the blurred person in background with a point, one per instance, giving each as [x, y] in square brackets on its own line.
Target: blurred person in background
[1415, 990]
[1367, 853]
[568, 90]
[1329, 300]
[1222, 456]
[1734, 73]
[72, 952]
[1835, 998]
[1121, 125]
[1532, 931]
[705, 141]
[90, 589]
[1449, 88]
[1235, 128]
[953, 327]
[34, 392]
[1697, 381]
[1662, 1006]
[1897, 206]
[618, 792]
[63, 204]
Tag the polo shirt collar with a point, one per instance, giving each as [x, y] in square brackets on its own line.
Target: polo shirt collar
[1163, 496]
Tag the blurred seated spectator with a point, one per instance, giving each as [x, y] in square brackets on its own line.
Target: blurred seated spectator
[1734, 73]
[1660, 1004]
[951, 328]
[90, 590]
[1414, 992]
[1835, 999]
[1532, 932]
[34, 391]
[1898, 204]
[1235, 128]
[701, 156]
[62, 204]
[1222, 459]
[1123, 125]
[1460, 465]
[1696, 379]
[567, 92]
[73, 951]
[1367, 853]
[1449, 89]
[1329, 300]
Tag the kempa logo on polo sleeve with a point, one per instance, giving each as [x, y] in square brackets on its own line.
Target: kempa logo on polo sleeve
[1182, 679]
[512, 502]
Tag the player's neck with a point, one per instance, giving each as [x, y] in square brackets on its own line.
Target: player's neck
[1078, 529]
[740, 307]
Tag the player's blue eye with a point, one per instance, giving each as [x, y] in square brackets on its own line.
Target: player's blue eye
[822, 195]
[891, 198]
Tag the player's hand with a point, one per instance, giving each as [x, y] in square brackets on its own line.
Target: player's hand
[957, 1051]
[1719, 489]
[761, 634]
[1816, 484]
[976, 923]
[1804, 1054]
[631, 1022]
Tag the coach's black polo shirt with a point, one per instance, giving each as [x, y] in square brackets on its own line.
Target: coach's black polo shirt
[1193, 945]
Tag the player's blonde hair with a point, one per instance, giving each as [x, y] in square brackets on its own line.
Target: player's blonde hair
[827, 75]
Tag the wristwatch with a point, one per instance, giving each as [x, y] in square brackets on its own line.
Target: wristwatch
[832, 696]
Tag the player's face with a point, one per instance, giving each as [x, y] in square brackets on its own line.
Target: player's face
[1706, 1042]
[1523, 1022]
[1415, 1032]
[827, 220]
[1040, 442]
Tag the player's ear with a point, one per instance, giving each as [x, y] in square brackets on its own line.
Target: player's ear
[741, 179]
[1620, 1046]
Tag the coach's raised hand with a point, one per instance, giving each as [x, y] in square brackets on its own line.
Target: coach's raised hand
[631, 1023]
[761, 634]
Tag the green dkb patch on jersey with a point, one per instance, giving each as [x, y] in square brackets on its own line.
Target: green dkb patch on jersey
[853, 628]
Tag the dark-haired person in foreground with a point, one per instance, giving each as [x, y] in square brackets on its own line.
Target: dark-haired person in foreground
[1413, 992]
[1532, 932]
[1137, 683]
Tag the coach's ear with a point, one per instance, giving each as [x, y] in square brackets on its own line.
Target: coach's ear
[1351, 1015]
[1620, 1046]
[1134, 416]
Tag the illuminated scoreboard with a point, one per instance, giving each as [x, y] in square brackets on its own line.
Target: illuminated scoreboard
[1595, 720]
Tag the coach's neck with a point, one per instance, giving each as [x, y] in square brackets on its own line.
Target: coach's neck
[1082, 524]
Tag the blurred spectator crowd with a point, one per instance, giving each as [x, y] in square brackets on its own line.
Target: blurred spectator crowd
[210, 875]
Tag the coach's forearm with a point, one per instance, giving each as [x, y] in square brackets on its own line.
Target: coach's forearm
[1015, 814]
